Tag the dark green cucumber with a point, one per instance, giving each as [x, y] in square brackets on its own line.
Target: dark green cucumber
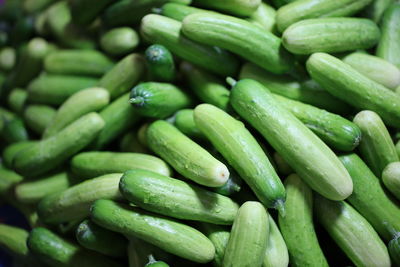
[241, 8]
[12, 150]
[178, 11]
[8, 179]
[34, 6]
[391, 178]
[17, 99]
[394, 249]
[184, 121]
[157, 264]
[276, 254]
[119, 41]
[281, 165]
[158, 100]
[14, 131]
[38, 117]
[160, 63]
[13, 240]
[83, 12]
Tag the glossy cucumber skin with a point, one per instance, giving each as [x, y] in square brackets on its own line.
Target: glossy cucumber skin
[119, 41]
[346, 83]
[391, 178]
[306, 154]
[330, 35]
[49, 153]
[83, 12]
[185, 156]
[184, 121]
[352, 232]
[243, 153]
[370, 199]
[240, 8]
[13, 240]
[8, 179]
[179, 12]
[96, 163]
[165, 31]
[160, 63]
[158, 100]
[38, 117]
[175, 198]
[12, 150]
[16, 100]
[263, 48]
[277, 254]
[74, 202]
[165, 233]
[394, 250]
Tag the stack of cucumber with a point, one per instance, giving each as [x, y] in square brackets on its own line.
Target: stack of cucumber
[226, 133]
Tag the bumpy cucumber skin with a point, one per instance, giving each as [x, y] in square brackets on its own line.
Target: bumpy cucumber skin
[12, 150]
[277, 254]
[370, 199]
[391, 178]
[119, 41]
[242, 151]
[160, 63]
[16, 100]
[240, 37]
[38, 117]
[13, 240]
[165, 233]
[299, 146]
[346, 83]
[394, 249]
[167, 32]
[184, 121]
[185, 156]
[242, 8]
[352, 232]
[8, 179]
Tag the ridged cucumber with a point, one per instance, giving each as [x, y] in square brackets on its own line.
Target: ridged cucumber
[16, 100]
[13, 240]
[391, 178]
[160, 63]
[184, 121]
[38, 117]
[242, 8]
[119, 41]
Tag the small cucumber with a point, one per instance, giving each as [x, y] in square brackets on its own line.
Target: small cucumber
[370, 199]
[391, 178]
[264, 17]
[185, 156]
[83, 12]
[77, 105]
[219, 236]
[12, 150]
[49, 153]
[249, 235]
[184, 121]
[241, 8]
[178, 11]
[167, 32]
[160, 63]
[352, 232]
[276, 254]
[38, 117]
[74, 202]
[93, 237]
[14, 131]
[17, 99]
[158, 100]
[173, 237]
[347, 84]
[394, 249]
[8, 179]
[307, 154]
[281, 165]
[241, 150]
[330, 35]
[7, 58]
[96, 163]
[376, 147]
[13, 240]
[376, 9]
[240, 37]
[119, 41]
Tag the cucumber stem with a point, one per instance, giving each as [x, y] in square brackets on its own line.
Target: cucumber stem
[280, 206]
[231, 81]
[137, 100]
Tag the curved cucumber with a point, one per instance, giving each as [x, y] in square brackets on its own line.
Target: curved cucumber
[119, 41]
[13, 240]
[12, 150]
[38, 117]
[391, 178]
[241, 8]
[184, 121]
[276, 254]
[160, 63]
[394, 249]
[8, 179]
[16, 100]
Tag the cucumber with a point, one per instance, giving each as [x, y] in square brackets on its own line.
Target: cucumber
[77, 62]
[96, 238]
[158, 100]
[167, 32]
[281, 165]
[119, 41]
[56, 251]
[14, 131]
[309, 9]
[376, 147]
[96, 163]
[394, 250]
[307, 154]
[347, 84]
[139, 252]
[130, 143]
[38, 117]
[389, 45]
[49, 153]
[173, 237]
[157, 264]
[8, 179]
[77, 105]
[241, 8]
[13, 240]
[83, 12]
[55, 89]
[242, 151]
[185, 156]
[297, 225]
[178, 11]
[233, 34]
[352, 232]
[160, 63]
[7, 58]
[125, 74]
[276, 254]
[391, 178]
[330, 35]
[188, 202]
[34, 191]
[74, 202]
[370, 199]
[249, 235]
[17, 99]
[219, 236]
[398, 148]
[375, 68]
[12, 150]
[376, 9]
[184, 121]
[264, 17]
[205, 86]
[34, 6]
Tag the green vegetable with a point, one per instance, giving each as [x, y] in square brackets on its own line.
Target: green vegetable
[376, 9]
[240, 8]
[13, 240]
[130, 143]
[157, 264]
[33, 6]
[391, 178]
[8, 179]
[83, 12]
[178, 11]
[281, 165]
[12, 150]
[140, 252]
[14, 131]
[119, 41]
[394, 249]
[184, 121]
[276, 254]
[264, 17]
[219, 236]
[7, 58]
[17, 99]
[160, 63]
[38, 117]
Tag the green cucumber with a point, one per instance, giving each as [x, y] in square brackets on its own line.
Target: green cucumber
[184, 121]
[233, 34]
[55, 89]
[264, 17]
[158, 100]
[157, 264]
[376, 9]
[394, 249]
[178, 11]
[74, 202]
[173, 237]
[34, 6]
[281, 165]
[13, 240]
[119, 41]
[398, 148]
[376, 147]
[17, 99]
[297, 225]
[14, 131]
[352, 232]
[7, 58]
[185, 156]
[93, 237]
[160, 63]
[219, 236]
[38, 117]
[77, 105]
[276, 254]
[139, 252]
[130, 143]
[187, 202]
[92, 164]
[391, 178]
[8, 179]
[240, 8]
[347, 84]
[49, 153]
[370, 199]
[249, 235]
[77, 62]
[330, 35]
[167, 32]
[307, 154]
[12, 150]
[83, 12]
[243, 153]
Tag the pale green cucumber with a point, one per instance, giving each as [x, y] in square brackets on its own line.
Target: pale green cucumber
[277, 254]
[242, 8]
[38, 117]
[281, 165]
[12, 150]
[8, 179]
[184, 121]
[178, 11]
[13, 240]
[219, 236]
[264, 17]
[16, 100]
[119, 41]
[376, 9]
[391, 178]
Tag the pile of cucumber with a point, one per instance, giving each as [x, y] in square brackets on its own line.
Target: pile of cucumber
[226, 133]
